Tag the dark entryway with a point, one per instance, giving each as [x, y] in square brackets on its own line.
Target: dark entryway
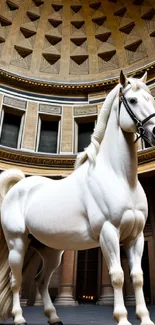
[87, 276]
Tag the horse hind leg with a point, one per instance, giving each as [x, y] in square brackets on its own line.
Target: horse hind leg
[17, 249]
[5, 290]
[51, 260]
[109, 242]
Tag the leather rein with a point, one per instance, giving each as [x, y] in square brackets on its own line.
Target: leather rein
[139, 124]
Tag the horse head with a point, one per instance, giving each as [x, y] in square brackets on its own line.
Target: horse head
[137, 108]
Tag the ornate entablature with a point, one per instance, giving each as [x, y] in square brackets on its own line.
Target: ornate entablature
[60, 164]
[58, 61]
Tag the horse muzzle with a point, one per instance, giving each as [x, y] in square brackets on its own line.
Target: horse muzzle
[150, 137]
[147, 135]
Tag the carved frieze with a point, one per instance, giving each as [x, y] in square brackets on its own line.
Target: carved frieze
[50, 109]
[24, 158]
[85, 110]
[57, 161]
[14, 102]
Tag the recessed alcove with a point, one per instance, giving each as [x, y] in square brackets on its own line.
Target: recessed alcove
[95, 5]
[106, 56]
[78, 41]
[76, 8]
[53, 40]
[149, 14]
[4, 21]
[100, 20]
[103, 37]
[133, 47]
[77, 24]
[33, 16]
[23, 52]
[55, 23]
[79, 59]
[127, 28]
[57, 7]
[51, 58]
[38, 3]
[12, 5]
[120, 12]
[27, 32]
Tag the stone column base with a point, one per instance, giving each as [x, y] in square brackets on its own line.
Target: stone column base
[23, 302]
[38, 300]
[65, 301]
[130, 300]
[106, 300]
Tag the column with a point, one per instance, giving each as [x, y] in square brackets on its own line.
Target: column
[1, 101]
[66, 293]
[129, 296]
[38, 299]
[30, 129]
[107, 296]
[67, 130]
[29, 293]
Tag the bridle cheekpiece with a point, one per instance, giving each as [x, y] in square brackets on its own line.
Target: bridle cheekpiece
[141, 132]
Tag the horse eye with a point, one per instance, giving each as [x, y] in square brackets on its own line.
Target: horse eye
[133, 100]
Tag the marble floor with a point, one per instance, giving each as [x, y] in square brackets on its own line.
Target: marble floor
[80, 315]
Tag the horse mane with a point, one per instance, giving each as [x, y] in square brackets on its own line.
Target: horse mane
[92, 150]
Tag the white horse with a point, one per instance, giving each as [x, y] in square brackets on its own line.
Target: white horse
[99, 204]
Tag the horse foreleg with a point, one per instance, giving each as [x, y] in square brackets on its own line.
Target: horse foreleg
[16, 257]
[51, 260]
[109, 242]
[135, 251]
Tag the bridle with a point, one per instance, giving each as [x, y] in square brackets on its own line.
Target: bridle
[139, 124]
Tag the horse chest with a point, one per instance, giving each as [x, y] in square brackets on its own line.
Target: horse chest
[132, 223]
[112, 196]
[115, 201]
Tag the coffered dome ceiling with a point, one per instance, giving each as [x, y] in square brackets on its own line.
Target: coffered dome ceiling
[76, 40]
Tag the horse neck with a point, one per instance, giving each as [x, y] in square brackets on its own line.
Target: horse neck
[119, 151]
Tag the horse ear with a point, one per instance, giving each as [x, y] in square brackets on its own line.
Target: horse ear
[144, 78]
[123, 79]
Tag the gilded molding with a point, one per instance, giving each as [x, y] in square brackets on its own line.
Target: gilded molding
[42, 86]
[57, 161]
[146, 155]
[30, 159]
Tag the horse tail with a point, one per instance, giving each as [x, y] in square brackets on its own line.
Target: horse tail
[8, 179]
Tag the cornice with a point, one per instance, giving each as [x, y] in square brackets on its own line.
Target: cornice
[146, 155]
[37, 160]
[43, 86]
[59, 162]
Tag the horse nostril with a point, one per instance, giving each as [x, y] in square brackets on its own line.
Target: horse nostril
[153, 131]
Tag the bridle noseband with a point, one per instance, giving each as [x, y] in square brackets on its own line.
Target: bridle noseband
[139, 124]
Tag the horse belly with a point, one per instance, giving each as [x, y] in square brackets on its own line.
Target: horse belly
[59, 221]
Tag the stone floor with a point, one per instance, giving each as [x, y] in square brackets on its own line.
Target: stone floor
[80, 315]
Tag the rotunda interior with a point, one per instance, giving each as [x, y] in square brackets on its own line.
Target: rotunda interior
[58, 61]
